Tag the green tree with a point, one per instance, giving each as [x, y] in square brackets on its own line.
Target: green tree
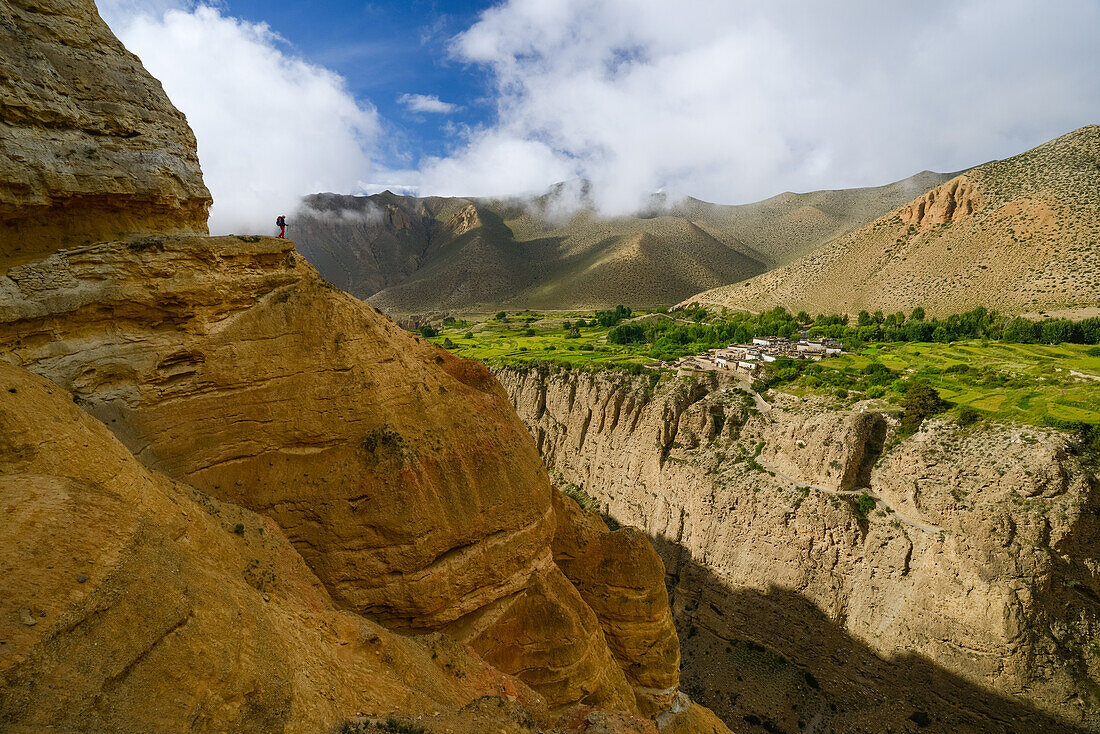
[1056, 331]
[626, 334]
[610, 318]
[919, 402]
[918, 314]
[1021, 331]
[864, 504]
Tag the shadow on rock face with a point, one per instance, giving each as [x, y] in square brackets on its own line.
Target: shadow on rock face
[771, 661]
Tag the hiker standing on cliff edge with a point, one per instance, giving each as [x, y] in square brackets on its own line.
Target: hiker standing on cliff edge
[281, 224]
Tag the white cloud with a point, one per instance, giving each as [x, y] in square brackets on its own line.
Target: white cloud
[427, 103]
[495, 163]
[270, 126]
[726, 101]
[738, 101]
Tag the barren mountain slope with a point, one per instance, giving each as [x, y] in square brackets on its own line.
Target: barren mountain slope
[366, 244]
[789, 225]
[1022, 234]
[414, 255]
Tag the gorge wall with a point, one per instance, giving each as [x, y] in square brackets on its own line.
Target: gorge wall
[967, 599]
[237, 498]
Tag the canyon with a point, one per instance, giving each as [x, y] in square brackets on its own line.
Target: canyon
[237, 498]
[828, 574]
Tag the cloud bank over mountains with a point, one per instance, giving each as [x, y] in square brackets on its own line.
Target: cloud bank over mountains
[729, 102]
[733, 102]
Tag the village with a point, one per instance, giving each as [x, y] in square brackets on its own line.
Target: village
[749, 359]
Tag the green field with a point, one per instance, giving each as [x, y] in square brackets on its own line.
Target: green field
[1024, 382]
[498, 343]
[1030, 383]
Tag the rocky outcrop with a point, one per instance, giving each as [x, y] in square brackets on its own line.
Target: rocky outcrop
[822, 451]
[622, 579]
[955, 199]
[399, 472]
[130, 602]
[974, 571]
[465, 221]
[92, 148]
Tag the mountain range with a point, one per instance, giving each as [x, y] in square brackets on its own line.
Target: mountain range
[1019, 235]
[555, 251]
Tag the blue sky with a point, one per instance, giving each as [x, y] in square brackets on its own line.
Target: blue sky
[729, 101]
[385, 49]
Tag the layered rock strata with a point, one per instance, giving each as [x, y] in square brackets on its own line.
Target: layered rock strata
[976, 572]
[399, 472]
[621, 577]
[130, 602]
[92, 148]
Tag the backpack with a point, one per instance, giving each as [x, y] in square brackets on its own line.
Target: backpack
[281, 222]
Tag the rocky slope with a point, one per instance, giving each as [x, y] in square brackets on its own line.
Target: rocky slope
[410, 255]
[1018, 235]
[131, 603]
[968, 599]
[294, 488]
[92, 147]
[400, 473]
[621, 577]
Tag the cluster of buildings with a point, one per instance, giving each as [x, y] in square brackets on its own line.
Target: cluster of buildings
[749, 358]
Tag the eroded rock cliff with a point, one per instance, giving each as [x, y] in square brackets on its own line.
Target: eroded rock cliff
[621, 577]
[952, 200]
[968, 597]
[132, 603]
[400, 473]
[92, 148]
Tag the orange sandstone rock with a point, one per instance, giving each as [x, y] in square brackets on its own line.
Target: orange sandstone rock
[401, 474]
[92, 148]
[158, 608]
[621, 577]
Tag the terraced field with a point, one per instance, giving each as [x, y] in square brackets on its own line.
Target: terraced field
[497, 343]
[1030, 383]
[1023, 382]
